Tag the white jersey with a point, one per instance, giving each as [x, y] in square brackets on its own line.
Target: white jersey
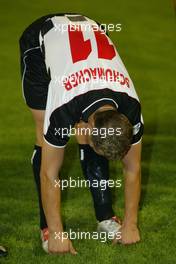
[81, 60]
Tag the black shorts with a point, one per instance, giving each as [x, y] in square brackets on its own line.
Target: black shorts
[35, 79]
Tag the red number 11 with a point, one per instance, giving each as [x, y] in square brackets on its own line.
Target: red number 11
[81, 49]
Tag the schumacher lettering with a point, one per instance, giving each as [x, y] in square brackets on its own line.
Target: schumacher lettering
[95, 75]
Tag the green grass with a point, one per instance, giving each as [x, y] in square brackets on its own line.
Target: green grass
[147, 46]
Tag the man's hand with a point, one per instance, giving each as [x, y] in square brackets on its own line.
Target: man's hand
[132, 174]
[129, 235]
[60, 246]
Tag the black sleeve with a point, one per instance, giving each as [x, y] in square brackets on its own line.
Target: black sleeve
[62, 121]
[58, 132]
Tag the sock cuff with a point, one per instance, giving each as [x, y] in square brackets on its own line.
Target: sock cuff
[36, 147]
[87, 153]
[85, 150]
[37, 150]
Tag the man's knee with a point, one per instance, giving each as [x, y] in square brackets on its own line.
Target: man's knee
[38, 116]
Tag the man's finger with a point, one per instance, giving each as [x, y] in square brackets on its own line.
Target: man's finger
[115, 241]
[72, 250]
[117, 238]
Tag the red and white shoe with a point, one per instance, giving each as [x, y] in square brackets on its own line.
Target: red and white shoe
[110, 226]
[44, 238]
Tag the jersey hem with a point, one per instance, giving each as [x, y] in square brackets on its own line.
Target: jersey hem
[137, 142]
[52, 145]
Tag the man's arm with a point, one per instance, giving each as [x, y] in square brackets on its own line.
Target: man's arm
[52, 159]
[132, 173]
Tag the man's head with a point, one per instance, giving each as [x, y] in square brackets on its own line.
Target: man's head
[111, 134]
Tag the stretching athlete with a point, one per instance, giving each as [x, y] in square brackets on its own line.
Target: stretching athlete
[62, 73]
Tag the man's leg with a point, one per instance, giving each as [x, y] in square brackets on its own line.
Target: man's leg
[35, 82]
[96, 168]
[38, 116]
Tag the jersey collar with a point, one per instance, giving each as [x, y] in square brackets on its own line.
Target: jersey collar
[90, 109]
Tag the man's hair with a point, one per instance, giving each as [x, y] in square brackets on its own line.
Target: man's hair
[115, 145]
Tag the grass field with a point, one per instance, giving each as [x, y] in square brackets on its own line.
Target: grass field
[147, 45]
